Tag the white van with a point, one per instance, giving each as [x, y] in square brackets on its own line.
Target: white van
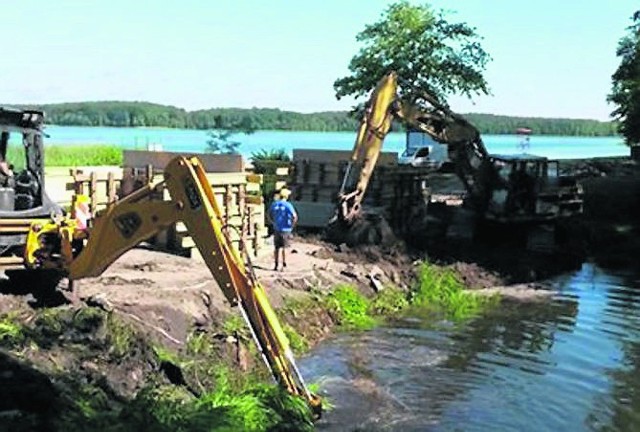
[422, 150]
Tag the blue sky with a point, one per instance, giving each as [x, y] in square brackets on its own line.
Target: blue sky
[550, 58]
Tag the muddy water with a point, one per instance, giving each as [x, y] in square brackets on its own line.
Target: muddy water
[573, 364]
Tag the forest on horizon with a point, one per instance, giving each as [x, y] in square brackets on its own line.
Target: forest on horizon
[145, 114]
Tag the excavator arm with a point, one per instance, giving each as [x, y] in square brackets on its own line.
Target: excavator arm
[374, 126]
[137, 217]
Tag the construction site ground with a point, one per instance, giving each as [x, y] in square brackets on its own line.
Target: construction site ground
[166, 297]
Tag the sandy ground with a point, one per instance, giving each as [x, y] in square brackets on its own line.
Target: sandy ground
[170, 294]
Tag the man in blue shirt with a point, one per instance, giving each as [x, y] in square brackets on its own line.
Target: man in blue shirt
[283, 217]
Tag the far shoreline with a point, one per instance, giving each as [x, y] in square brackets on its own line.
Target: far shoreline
[353, 131]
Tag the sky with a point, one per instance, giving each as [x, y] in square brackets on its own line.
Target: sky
[551, 58]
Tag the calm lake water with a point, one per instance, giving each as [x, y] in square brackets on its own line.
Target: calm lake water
[570, 365]
[189, 140]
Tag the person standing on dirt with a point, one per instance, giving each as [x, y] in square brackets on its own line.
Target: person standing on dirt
[283, 217]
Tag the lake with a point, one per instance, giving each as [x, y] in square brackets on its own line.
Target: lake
[189, 140]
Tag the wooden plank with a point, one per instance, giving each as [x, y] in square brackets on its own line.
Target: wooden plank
[233, 178]
[211, 162]
[282, 171]
[255, 178]
[101, 175]
[65, 171]
[254, 199]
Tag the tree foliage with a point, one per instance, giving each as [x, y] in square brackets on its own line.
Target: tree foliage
[625, 93]
[427, 52]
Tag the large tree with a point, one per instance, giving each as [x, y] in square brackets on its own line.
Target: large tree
[625, 93]
[428, 53]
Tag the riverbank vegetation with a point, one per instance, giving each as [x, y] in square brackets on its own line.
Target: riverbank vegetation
[437, 290]
[143, 114]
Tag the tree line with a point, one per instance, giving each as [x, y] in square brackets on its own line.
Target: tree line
[144, 114]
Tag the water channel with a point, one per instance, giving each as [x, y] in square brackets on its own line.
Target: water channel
[570, 364]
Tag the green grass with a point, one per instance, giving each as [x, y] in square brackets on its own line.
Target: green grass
[71, 155]
[11, 332]
[166, 356]
[234, 325]
[350, 307]
[390, 301]
[297, 342]
[198, 344]
[121, 336]
[440, 289]
[252, 407]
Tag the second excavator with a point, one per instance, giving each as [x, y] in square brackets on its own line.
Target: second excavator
[505, 189]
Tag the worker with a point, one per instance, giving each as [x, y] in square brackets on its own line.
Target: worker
[283, 218]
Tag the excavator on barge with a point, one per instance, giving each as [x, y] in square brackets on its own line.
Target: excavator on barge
[39, 239]
[507, 190]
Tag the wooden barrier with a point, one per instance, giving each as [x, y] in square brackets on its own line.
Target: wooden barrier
[238, 195]
[318, 175]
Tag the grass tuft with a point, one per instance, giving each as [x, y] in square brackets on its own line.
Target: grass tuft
[441, 290]
[350, 307]
[390, 301]
[120, 335]
[297, 342]
[11, 333]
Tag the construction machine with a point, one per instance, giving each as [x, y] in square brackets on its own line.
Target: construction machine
[44, 238]
[511, 189]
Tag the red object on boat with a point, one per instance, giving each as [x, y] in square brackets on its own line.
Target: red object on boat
[523, 131]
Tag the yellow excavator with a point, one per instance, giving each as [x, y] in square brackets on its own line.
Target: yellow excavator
[65, 245]
[513, 189]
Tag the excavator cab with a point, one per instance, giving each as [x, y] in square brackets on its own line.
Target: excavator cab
[529, 188]
[22, 195]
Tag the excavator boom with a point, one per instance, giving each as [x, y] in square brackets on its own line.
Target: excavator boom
[126, 223]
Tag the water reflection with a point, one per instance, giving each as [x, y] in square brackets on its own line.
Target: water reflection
[572, 364]
[620, 411]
